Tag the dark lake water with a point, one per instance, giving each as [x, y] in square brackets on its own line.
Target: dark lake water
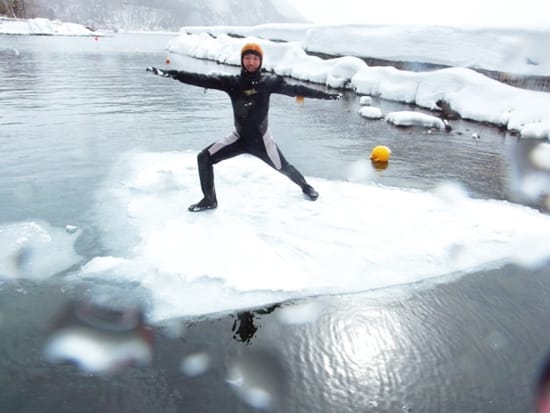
[69, 107]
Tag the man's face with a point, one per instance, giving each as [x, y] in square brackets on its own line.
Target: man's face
[251, 62]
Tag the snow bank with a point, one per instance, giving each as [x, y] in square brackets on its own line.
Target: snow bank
[469, 93]
[44, 27]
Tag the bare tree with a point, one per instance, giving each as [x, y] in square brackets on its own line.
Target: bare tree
[13, 8]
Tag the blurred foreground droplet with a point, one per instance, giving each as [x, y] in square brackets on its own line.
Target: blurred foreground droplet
[359, 171]
[451, 193]
[173, 329]
[71, 229]
[530, 181]
[195, 364]
[540, 156]
[300, 313]
[100, 340]
[258, 378]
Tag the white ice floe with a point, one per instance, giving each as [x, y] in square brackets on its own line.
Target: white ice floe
[371, 112]
[410, 118]
[275, 245]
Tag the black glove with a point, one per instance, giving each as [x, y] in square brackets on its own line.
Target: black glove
[156, 71]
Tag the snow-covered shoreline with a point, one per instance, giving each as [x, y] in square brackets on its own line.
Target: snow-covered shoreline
[521, 51]
[43, 27]
[471, 94]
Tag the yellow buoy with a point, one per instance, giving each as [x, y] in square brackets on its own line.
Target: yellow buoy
[380, 153]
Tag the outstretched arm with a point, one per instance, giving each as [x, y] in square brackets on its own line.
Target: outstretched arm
[195, 79]
[287, 89]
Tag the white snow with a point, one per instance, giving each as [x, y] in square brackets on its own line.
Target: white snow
[275, 245]
[370, 112]
[42, 26]
[473, 95]
[408, 118]
[527, 13]
[365, 100]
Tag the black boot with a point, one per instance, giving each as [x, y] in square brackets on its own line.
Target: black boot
[310, 192]
[206, 175]
[202, 205]
[296, 177]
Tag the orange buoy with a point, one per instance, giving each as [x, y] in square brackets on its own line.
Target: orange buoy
[380, 153]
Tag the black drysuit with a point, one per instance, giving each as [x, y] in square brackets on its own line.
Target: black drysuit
[249, 93]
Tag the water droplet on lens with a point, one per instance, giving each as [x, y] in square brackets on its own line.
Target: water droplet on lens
[530, 179]
[540, 156]
[300, 313]
[71, 229]
[258, 378]
[496, 340]
[450, 193]
[359, 171]
[98, 339]
[195, 364]
[174, 329]
[22, 259]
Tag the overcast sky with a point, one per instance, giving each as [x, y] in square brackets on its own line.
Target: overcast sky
[504, 12]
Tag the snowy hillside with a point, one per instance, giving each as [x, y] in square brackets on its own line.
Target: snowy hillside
[166, 14]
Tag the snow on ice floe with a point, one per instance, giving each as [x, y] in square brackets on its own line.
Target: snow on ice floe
[371, 112]
[365, 101]
[409, 118]
[470, 94]
[35, 250]
[266, 243]
[405, 118]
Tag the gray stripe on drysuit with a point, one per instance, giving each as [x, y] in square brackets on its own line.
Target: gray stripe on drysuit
[269, 144]
[222, 143]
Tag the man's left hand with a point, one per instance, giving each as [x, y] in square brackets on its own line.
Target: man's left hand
[156, 71]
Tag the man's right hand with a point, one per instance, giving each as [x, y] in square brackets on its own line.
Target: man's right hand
[156, 71]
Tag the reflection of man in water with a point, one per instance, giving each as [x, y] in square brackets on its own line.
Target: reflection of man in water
[243, 326]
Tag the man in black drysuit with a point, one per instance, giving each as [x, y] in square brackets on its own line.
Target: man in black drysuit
[249, 93]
